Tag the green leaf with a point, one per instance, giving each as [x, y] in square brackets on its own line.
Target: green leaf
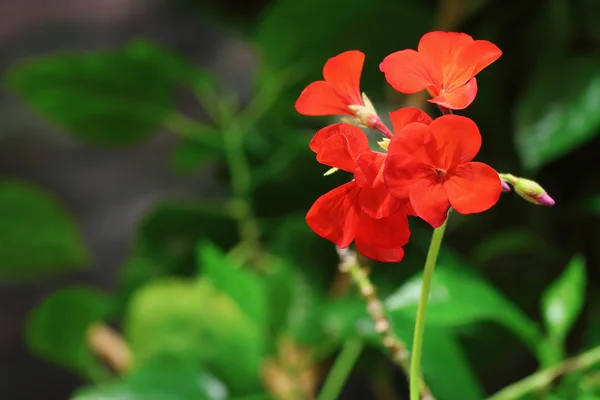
[512, 241]
[241, 285]
[56, 329]
[38, 235]
[563, 300]
[558, 111]
[108, 98]
[159, 380]
[458, 298]
[189, 156]
[191, 320]
[443, 362]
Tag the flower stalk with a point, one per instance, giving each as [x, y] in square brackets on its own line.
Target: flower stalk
[430, 261]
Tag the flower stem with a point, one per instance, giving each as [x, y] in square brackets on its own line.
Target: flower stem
[341, 369]
[430, 261]
[545, 377]
[375, 308]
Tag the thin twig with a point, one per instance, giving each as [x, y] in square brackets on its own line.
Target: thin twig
[400, 355]
[544, 378]
[109, 345]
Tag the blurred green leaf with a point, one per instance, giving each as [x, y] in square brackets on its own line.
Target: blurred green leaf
[56, 329]
[189, 156]
[557, 112]
[444, 365]
[563, 300]
[38, 235]
[109, 98]
[458, 298]
[510, 242]
[191, 320]
[159, 380]
[242, 285]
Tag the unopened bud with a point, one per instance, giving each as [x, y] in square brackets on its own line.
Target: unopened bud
[505, 186]
[533, 192]
[365, 113]
[331, 171]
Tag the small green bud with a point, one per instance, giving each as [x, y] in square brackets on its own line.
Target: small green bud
[532, 192]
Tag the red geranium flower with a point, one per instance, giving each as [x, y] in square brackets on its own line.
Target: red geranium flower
[431, 165]
[445, 64]
[348, 213]
[339, 93]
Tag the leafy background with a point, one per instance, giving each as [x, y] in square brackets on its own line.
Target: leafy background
[115, 201]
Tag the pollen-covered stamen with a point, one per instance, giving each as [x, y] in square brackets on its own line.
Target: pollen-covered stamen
[440, 174]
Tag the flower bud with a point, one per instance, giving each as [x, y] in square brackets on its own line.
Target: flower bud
[532, 192]
[505, 186]
[365, 115]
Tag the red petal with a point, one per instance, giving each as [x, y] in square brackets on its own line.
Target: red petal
[441, 51]
[473, 187]
[479, 55]
[343, 73]
[406, 71]
[339, 146]
[388, 233]
[429, 201]
[457, 140]
[402, 171]
[380, 254]
[320, 98]
[412, 139]
[404, 116]
[458, 99]
[353, 134]
[375, 199]
[335, 215]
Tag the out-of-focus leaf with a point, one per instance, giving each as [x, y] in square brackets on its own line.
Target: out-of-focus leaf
[459, 298]
[56, 329]
[108, 98]
[444, 365]
[191, 320]
[558, 111]
[189, 156]
[563, 300]
[512, 241]
[241, 285]
[38, 235]
[160, 380]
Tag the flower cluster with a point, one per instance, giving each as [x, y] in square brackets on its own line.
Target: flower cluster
[424, 166]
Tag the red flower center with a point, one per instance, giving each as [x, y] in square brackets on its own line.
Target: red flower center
[440, 173]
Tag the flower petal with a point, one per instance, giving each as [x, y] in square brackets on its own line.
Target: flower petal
[380, 254]
[406, 71]
[353, 133]
[473, 187]
[402, 171]
[459, 98]
[429, 201]
[413, 139]
[375, 200]
[406, 115]
[339, 146]
[478, 55]
[335, 215]
[320, 98]
[343, 73]
[388, 233]
[441, 51]
[457, 140]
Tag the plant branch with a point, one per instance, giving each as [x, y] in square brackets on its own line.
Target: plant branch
[349, 264]
[544, 378]
[110, 346]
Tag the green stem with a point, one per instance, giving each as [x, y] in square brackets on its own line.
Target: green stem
[341, 369]
[430, 261]
[241, 180]
[545, 377]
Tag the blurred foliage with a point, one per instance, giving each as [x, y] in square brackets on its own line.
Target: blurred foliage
[235, 298]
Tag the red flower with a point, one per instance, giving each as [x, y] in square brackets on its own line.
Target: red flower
[340, 89]
[354, 211]
[445, 64]
[431, 165]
